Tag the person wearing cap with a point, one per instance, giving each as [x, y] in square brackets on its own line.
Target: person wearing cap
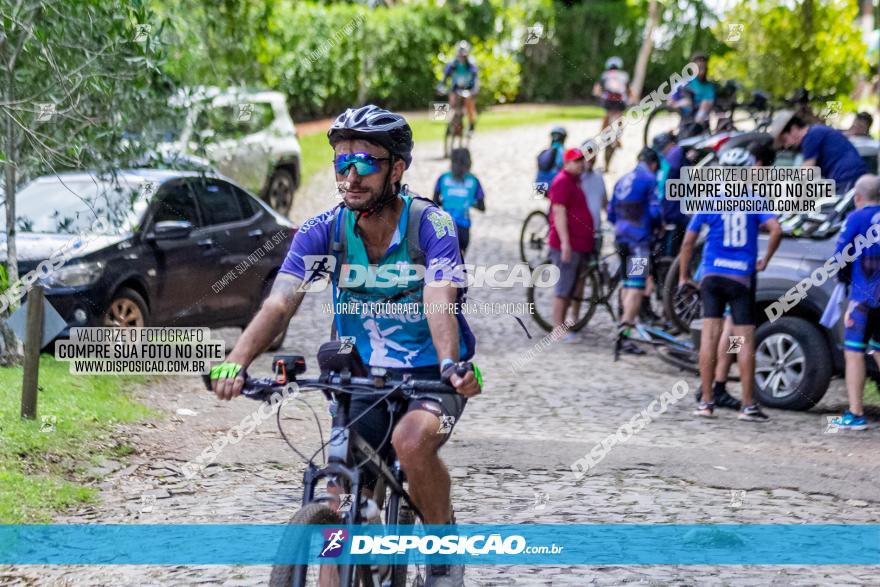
[571, 233]
[463, 72]
[821, 146]
[380, 225]
[635, 211]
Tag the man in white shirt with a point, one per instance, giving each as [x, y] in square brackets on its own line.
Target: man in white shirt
[593, 185]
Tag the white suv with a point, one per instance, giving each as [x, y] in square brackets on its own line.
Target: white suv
[248, 135]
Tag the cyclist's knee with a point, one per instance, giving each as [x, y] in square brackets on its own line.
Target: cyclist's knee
[416, 436]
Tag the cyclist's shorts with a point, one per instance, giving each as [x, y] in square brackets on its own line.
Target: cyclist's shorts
[464, 236]
[375, 424]
[636, 259]
[616, 105]
[718, 292]
[568, 272]
[862, 329]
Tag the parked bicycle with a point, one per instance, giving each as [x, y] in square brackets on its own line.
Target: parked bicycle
[455, 137]
[533, 248]
[344, 376]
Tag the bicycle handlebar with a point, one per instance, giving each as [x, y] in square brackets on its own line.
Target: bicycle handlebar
[262, 388]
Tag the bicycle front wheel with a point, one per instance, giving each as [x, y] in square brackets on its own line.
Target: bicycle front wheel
[581, 307]
[533, 238]
[305, 575]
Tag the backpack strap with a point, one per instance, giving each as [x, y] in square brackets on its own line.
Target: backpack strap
[417, 207]
[338, 249]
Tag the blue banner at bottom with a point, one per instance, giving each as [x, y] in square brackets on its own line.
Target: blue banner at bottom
[521, 544]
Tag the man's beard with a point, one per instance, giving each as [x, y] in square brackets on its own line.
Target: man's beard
[369, 204]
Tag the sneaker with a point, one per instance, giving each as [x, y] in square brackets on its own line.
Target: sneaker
[705, 410]
[753, 413]
[570, 338]
[725, 400]
[849, 421]
[444, 576]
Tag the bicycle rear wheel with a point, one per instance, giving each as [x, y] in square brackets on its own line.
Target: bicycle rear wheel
[533, 238]
[305, 575]
[583, 301]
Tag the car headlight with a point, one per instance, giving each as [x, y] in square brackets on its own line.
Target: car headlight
[76, 275]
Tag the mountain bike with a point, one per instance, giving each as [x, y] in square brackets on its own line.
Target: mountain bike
[533, 248]
[455, 127]
[343, 376]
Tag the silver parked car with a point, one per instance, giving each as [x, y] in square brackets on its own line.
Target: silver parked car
[247, 135]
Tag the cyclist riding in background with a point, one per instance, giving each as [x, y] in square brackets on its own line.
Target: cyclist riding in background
[382, 229]
[695, 99]
[634, 211]
[550, 159]
[671, 161]
[457, 191]
[463, 72]
[614, 91]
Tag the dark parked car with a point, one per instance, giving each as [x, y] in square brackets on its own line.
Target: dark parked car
[171, 248]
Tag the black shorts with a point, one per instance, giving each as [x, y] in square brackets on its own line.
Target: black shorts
[614, 105]
[375, 423]
[464, 236]
[717, 292]
[636, 263]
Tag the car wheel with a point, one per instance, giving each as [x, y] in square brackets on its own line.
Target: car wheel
[784, 377]
[279, 195]
[127, 309]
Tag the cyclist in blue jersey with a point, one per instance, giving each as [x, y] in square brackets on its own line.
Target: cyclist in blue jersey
[821, 146]
[862, 320]
[671, 161]
[457, 191]
[634, 211]
[730, 262]
[381, 229]
[550, 160]
[463, 72]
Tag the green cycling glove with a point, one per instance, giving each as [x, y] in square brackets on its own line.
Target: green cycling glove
[225, 371]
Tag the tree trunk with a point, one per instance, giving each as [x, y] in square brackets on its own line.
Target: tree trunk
[11, 351]
[641, 67]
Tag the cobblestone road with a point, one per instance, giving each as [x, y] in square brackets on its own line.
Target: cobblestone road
[511, 454]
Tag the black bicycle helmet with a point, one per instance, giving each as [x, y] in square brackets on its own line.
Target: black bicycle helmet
[662, 141]
[649, 155]
[376, 125]
[558, 131]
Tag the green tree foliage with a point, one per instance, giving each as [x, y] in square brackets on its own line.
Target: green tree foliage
[817, 45]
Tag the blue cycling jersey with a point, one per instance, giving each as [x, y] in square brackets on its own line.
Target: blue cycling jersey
[856, 236]
[731, 247]
[634, 206]
[458, 197]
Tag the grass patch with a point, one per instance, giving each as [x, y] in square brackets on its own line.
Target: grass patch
[40, 470]
[872, 394]
[316, 152]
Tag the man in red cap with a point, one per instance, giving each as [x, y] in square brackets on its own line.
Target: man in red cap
[571, 233]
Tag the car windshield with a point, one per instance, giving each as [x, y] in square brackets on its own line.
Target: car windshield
[72, 206]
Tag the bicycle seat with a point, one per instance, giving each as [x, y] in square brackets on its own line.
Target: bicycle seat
[341, 355]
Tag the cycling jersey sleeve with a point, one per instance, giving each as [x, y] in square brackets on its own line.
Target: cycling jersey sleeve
[447, 71]
[612, 215]
[438, 241]
[479, 196]
[847, 234]
[812, 145]
[697, 223]
[312, 238]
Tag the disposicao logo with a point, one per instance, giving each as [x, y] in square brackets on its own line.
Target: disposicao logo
[334, 540]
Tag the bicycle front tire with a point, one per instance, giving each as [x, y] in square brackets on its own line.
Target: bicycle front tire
[543, 314]
[311, 514]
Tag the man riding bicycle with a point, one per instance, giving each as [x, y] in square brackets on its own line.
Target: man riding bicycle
[614, 91]
[463, 72]
[381, 229]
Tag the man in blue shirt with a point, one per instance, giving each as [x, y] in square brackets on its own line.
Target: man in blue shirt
[671, 161]
[463, 72]
[862, 320]
[634, 211]
[457, 191]
[730, 261]
[821, 146]
[695, 99]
